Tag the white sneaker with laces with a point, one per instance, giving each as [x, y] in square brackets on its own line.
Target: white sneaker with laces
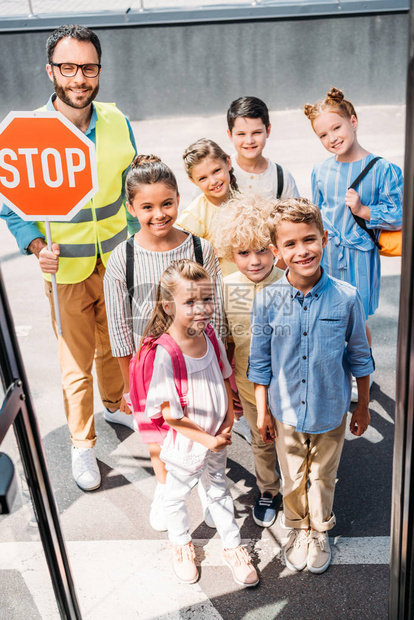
[296, 549]
[184, 563]
[119, 417]
[239, 561]
[85, 468]
[242, 428]
[157, 517]
[319, 553]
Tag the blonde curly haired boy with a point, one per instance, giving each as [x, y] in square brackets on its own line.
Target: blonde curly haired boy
[241, 235]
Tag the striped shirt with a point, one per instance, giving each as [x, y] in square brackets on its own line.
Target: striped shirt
[126, 327]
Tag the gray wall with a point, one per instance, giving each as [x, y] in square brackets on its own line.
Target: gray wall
[159, 71]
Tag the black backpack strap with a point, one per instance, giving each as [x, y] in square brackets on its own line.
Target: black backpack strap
[129, 268]
[280, 181]
[198, 250]
[359, 220]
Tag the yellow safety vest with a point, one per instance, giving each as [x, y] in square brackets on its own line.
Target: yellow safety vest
[101, 224]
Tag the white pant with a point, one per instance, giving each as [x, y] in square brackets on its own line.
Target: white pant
[219, 502]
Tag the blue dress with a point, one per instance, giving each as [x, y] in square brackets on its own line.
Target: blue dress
[350, 254]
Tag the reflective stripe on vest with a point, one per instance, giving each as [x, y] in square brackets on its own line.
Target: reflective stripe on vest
[86, 215]
[85, 250]
[101, 225]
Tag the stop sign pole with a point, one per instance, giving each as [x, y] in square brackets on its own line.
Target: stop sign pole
[47, 171]
[54, 283]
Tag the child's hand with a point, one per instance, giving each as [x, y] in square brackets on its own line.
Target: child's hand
[221, 441]
[352, 200]
[225, 429]
[360, 420]
[126, 405]
[266, 428]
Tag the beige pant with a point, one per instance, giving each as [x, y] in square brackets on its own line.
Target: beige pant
[309, 463]
[85, 338]
[264, 454]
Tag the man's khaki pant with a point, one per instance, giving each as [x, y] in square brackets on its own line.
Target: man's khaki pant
[85, 338]
[309, 463]
[264, 454]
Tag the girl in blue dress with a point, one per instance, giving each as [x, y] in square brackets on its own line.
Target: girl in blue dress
[351, 255]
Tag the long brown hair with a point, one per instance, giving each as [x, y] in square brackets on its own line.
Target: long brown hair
[185, 269]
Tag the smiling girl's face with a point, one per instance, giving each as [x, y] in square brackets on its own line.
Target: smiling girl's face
[212, 176]
[337, 134]
[156, 207]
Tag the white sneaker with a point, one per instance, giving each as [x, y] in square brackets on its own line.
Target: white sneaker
[241, 427]
[85, 469]
[319, 554]
[354, 392]
[119, 417]
[157, 516]
[296, 549]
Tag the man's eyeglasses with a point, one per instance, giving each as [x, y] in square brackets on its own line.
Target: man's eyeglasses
[70, 69]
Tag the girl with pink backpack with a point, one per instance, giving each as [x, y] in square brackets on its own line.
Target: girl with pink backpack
[200, 419]
[132, 275]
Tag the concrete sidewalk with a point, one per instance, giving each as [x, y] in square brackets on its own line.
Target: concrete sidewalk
[121, 567]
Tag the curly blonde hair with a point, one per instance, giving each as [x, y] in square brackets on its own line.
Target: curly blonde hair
[296, 210]
[334, 102]
[240, 224]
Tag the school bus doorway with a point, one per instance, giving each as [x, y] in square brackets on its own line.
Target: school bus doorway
[401, 599]
[16, 409]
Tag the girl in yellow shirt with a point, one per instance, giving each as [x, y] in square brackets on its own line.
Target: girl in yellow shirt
[208, 167]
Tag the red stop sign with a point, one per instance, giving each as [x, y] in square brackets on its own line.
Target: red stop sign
[47, 166]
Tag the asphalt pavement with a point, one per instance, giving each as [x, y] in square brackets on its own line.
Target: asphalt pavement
[121, 567]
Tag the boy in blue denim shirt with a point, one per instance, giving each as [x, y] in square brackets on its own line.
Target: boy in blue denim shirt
[308, 339]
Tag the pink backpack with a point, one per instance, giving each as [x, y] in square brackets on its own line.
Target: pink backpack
[141, 368]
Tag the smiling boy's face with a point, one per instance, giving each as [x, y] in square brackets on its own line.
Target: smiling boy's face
[301, 246]
[249, 137]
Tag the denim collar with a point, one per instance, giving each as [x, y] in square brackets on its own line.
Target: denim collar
[314, 292]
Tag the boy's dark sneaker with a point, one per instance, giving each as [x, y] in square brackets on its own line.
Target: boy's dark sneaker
[265, 509]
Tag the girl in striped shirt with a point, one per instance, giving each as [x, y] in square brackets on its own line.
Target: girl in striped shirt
[152, 196]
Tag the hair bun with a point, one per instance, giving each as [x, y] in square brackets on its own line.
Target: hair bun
[335, 95]
[141, 160]
[308, 109]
